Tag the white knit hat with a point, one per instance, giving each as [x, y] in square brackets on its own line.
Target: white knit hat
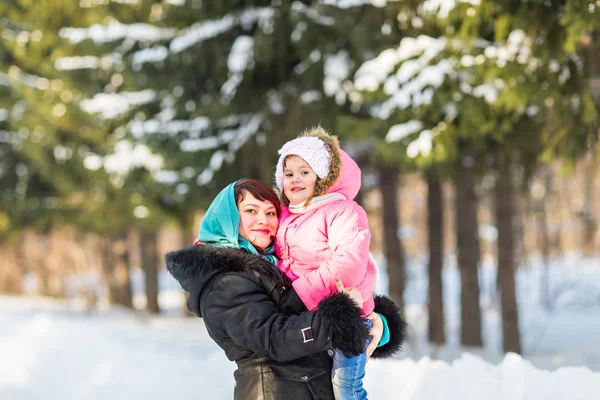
[311, 149]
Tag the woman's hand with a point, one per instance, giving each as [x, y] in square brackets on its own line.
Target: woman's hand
[376, 332]
[353, 293]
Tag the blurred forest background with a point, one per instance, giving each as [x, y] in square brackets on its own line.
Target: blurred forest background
[475, 123]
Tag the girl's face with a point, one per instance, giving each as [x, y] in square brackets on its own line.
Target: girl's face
[258, 221]
[299, 180]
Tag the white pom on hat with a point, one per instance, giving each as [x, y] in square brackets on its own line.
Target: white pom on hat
[311, 149]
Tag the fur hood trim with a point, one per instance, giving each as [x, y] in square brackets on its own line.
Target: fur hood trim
[194, 267]
[333, 148]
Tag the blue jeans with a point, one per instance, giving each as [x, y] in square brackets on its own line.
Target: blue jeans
[348, 373]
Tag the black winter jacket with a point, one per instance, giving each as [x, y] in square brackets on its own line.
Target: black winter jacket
[252, 312]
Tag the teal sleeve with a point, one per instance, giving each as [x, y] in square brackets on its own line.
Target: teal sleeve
[385, 337]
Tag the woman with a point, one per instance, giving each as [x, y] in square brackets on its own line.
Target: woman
[251, 311]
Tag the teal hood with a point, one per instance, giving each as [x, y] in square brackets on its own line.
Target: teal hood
[221, 223]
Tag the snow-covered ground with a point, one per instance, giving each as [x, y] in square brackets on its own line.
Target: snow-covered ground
[563, 333]
[56, 350]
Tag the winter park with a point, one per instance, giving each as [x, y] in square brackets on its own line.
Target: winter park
[268, 199]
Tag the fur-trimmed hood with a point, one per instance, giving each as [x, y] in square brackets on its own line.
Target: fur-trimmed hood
[344, 174]
[194, 267]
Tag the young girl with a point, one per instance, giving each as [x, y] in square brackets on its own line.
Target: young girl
[323, 236]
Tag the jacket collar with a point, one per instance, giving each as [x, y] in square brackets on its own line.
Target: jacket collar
[194, 267]
[316, 202]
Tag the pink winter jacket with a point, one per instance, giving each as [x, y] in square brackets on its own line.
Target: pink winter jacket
[332, 240]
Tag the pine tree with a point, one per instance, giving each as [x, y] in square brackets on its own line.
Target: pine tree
[476, 92]
[50, 145]
[213, 88]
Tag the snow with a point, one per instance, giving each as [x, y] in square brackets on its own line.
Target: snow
[443, 7]
[422, 145]
[400, 131]
[205, 177]
[373, 73]
[92, 162]
[62, 153]
[235, 138]
[312, 14]
[141, 212]
[4, 79]
[313, 57]
[201, 32]
[194, 127]
[32, 81]
[560, 335]
[410, 74]
[212, 28]
[120, 354]
[336, 70]
[275, 100]
[154, 54]
[532, 111]
[241, 58]
[518, 47]
[488, 91]
[112, 105]
[565, 74]
[128, 156]
[73, 63]
[345, 3]
[299, 30]
[356, 3]
[7, 137]
[116, 31]
[166, 176]
[91, 3]
[200, 144]
[216, 160]
[370, 75]
[246, 131]
[418, 91]
[310, 96]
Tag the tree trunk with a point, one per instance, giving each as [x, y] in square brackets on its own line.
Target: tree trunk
[36, 247]
[191, 226]
[543, 236]
[519, 215]
[394, 252]
[505, 215]
[588, 216]
[467, 243]
[150, 267]
[360, 198]
[43, 276]
[435, 220]
[11, 279]
[106, 258]
[121, 277]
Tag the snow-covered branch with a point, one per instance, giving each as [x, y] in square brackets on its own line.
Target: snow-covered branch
[116, 31]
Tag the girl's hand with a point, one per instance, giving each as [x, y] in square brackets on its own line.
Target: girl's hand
[353, 293]
[376, 332]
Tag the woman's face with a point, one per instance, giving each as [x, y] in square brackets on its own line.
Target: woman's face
[258, 221]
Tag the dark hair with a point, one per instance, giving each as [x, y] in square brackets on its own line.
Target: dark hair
[258, 189]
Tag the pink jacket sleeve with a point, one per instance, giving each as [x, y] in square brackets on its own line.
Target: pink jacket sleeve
[349, 239]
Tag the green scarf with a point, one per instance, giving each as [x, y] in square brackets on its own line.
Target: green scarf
[220, 226]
